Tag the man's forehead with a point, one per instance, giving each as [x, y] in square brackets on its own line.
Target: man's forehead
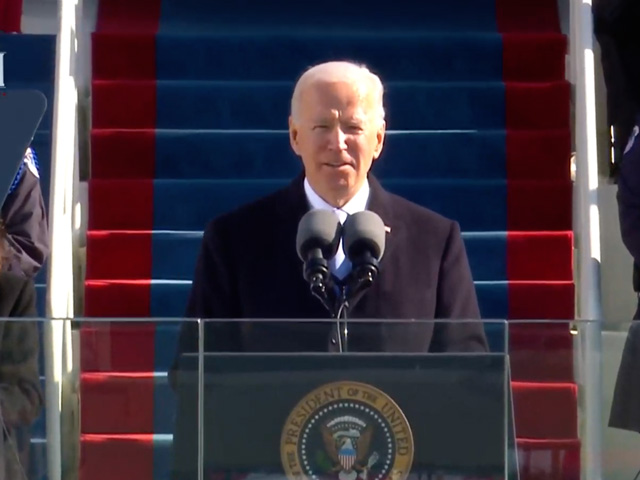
[347, 89]
[337, 96]
[352, 115]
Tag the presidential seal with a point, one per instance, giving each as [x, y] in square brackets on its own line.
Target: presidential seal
[346, 431]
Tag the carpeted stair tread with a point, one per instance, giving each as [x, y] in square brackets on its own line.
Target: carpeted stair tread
[541, 300]
[128, 396]
[541, 347]
[127, 346]
[153, 16]
[258, 56]
[125, 16]
[28, 59]
[132, 347]
[526, 18]
[168, 298]
[410, 105]
[127, 457]
[481, 15]
[491, 205]
[144, 457]
[171, 255]
[538, 407]
[184, 154]
[187, 15]
[540, 410]
[546, 355]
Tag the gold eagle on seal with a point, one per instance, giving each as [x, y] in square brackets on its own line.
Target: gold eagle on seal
[349, 450]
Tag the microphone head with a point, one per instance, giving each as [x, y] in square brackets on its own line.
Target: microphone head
[364, 233]
[318, 229]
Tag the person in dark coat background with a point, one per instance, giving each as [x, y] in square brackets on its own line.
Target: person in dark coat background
[617, 28]
[26, 248]
[21, 396]
[25, 219]
[625, 409]
[248, 265]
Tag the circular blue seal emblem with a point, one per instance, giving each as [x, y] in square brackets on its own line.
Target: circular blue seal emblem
[347, 431]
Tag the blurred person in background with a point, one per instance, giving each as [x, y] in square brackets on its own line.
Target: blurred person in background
[25, 220]
[21, 396]
[617, 28]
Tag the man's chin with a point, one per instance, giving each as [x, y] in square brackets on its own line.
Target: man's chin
[342, 191]
[341, 184]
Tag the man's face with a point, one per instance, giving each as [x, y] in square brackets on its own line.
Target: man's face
[338, 136]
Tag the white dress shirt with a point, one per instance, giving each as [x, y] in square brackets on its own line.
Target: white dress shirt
[357, 204]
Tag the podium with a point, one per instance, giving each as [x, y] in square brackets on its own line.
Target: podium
[344, 416]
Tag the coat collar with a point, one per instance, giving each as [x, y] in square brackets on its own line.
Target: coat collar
[380, 202]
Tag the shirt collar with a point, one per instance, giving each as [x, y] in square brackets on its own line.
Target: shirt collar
[357, 204]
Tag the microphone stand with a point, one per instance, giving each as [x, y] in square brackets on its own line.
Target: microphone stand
[343, 313]
[321, 282]
[351, 290]
[338, 295]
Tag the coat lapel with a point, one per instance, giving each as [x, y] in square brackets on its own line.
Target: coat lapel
[294, 207]
[380, 203]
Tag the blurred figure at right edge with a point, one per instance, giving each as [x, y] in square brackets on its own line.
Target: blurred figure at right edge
[617, 28]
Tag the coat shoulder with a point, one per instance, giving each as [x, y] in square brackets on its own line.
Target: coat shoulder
[413, 214]
[253, 218]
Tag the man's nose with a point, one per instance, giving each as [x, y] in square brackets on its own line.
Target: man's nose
[338, 139]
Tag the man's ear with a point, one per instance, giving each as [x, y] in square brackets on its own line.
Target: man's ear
[380, 134]
[293, 136]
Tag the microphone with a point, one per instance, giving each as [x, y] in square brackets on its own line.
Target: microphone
[317, 241]
[363, 244]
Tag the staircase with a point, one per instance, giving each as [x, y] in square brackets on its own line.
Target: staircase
[190, 106]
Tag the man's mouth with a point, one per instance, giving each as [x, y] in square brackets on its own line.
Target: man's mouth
[338, 165]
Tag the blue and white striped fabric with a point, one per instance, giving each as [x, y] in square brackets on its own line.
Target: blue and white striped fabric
[30, 161]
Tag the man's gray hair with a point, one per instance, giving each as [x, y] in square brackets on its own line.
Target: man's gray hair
[340, 71]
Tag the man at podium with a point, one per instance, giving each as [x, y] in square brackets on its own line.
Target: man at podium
[249, 265]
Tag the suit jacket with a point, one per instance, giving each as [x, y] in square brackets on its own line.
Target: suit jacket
[616, 28]
[21, 397]
[629, 196]
[248, 268]
[625, 406]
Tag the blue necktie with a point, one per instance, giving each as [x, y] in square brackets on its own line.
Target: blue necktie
[340, 265]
